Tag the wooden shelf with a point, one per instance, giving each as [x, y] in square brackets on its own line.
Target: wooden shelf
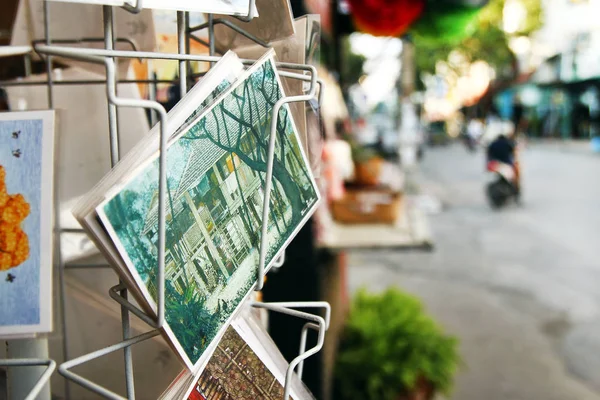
[410, 231]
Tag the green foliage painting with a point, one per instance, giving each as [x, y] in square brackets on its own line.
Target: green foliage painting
[216, 171]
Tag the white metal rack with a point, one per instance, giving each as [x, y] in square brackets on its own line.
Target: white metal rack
[107, 56]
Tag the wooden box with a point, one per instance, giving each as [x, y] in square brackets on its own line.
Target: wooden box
[367, 205]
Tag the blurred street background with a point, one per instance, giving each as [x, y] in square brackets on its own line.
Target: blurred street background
[456, 147]
[516, 282]
[520, 286]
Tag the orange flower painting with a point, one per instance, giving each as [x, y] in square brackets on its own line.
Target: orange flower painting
[26, 182]
[14, 243]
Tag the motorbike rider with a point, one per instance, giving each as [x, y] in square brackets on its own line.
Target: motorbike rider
[503, 149]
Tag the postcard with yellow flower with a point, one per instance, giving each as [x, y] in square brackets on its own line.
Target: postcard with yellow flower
[26, 164]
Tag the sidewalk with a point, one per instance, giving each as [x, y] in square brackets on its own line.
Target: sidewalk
[580, 146]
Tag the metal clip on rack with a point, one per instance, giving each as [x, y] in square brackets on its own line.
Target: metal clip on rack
[118, 293]
[316, 322]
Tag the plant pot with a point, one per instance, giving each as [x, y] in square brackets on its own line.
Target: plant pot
[367, 172]
[423, 391]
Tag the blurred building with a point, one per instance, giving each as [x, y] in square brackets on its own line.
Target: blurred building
[561, 96]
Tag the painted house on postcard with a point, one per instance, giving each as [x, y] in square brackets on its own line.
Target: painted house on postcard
[213, 219]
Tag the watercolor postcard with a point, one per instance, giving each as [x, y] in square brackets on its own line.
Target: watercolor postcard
[26, 165]
[215, 189]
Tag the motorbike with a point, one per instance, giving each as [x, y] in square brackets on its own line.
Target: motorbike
[501, 188]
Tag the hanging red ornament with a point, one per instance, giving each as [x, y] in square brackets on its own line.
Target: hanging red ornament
[385, 17]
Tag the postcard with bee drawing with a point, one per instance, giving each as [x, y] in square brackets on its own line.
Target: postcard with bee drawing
[26, 176]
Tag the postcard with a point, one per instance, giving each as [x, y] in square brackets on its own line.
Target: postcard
[26, 165]
[275, 22]
[235, 371]
[223, 74]
[229, 7]
[88, 149]
[165, 26]
[246, 364]
[216, 172]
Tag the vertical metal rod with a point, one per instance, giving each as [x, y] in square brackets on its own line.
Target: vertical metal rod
[181, 49]
[303, 338]
[162, 207]
[269, 175]
[21, 380]
[188, 41]
[114, 158]
[267, 199]
[42, 344]
[211, 36]
[162, 175]
[48, 58]
[112, 109]
[58, 260]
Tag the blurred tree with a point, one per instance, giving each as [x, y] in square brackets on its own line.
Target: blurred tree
[486, 40]
[447, 21]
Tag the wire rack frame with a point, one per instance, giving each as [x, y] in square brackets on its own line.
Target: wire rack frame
[32, 362]
[107, 57]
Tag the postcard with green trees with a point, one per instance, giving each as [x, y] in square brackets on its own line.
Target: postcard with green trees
[216, 171]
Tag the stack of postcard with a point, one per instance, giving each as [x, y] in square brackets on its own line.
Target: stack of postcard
[246, 365]
[216, 170]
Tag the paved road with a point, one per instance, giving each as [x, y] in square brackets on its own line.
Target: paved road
[520, 287]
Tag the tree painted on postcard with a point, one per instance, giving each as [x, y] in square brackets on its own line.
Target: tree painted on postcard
[241, 125]
[215, 183]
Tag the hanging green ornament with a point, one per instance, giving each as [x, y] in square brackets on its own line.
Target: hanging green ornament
[447, 21]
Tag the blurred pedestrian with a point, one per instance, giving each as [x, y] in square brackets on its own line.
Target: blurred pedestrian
[517, 115]
[580, 121]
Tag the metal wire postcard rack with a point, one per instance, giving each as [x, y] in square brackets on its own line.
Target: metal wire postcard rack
[48, 49]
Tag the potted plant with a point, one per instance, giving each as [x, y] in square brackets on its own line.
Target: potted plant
[367, 161]
[391, 349]
[367, 165]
